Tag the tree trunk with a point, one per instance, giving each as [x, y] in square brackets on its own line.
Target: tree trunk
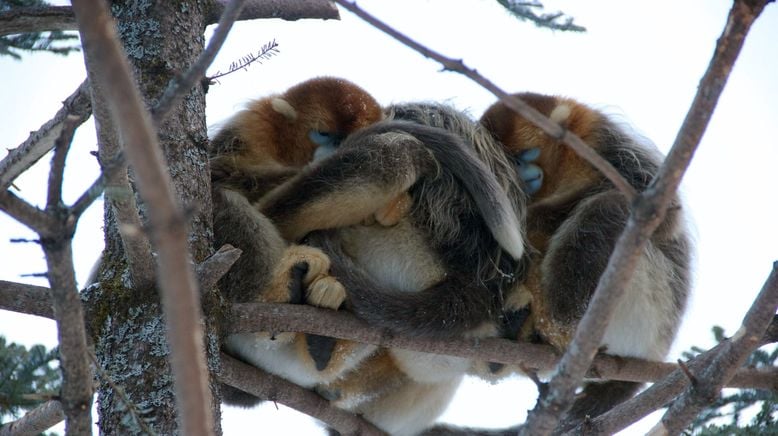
[161, 39]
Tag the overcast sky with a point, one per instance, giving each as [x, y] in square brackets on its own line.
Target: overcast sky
[639, 61]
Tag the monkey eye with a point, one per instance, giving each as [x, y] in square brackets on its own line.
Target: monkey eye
[530, 173]
[321, 138]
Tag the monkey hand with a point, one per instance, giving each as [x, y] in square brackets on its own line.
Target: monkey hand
[304, 268]
[393, 211]
[530, 173]
[325, 291]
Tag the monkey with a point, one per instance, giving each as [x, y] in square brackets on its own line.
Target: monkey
[269, 141]
[259, 148]
[437, 272]
[574, 218]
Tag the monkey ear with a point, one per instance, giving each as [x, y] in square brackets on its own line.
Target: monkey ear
[284, 108]
[561, 114]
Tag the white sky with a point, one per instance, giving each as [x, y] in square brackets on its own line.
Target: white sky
[640, 61]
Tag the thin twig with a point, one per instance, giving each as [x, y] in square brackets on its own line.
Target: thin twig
[61, 148]
[544, 123]
[27, 214]
[271, 388]
[180, 297]
[35, 421]
[215, 266]
[41, 141]
[177, 88]
[731, 357]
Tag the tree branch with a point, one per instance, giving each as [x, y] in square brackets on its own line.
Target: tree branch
[29, 299]
[178, 88]
[39, 19]
[551, 128]
[108, 68]
[61, 148]
[76, 396]
[36, 19]
[214, 267]
[271, 388]
[41, 141]
[655, 397]
[27, 214]
[290, 10]
[648, 212]
[731, 357]
[256, 317]
[36, 420]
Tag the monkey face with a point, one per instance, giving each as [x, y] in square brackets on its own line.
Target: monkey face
[548, 167]
[321, 112]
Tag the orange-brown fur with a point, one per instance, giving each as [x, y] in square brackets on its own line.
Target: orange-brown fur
[270, 139]
[255, 150]
[573, 222]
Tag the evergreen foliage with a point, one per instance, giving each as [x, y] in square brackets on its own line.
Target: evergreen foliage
[724, 417]
[52, 42]
[27, 378]
[526, 11]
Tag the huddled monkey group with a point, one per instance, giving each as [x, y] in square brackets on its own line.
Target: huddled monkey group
[424, 221]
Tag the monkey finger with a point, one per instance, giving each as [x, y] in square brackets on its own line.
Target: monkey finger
[326, 292]
[395, 210]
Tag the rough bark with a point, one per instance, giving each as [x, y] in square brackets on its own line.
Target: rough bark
[161, 40]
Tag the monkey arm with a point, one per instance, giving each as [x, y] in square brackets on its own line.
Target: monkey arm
[253, 181]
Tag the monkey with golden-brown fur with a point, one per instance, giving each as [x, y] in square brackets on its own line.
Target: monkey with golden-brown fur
[454, 249]
[438, 272]
[269, 141]
[400, 402]
[574, 219]
[255, 150]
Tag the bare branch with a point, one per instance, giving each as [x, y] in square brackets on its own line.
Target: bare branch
[35, 300]
[290, 10]
[271, 388]
[36, 19]
[29, 299]
[177, 88]
[648, 212]
[41, 141]
[27, 214]
[77, 392]
[214, 267]
[771, 335]
[544, 123]
[726, 362]
[39, 19]
[255, 317]
[108, 68]
[61, 148]
[36, 420]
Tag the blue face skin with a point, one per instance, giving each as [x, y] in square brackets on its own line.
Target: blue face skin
[326, 141]
[531, 174]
